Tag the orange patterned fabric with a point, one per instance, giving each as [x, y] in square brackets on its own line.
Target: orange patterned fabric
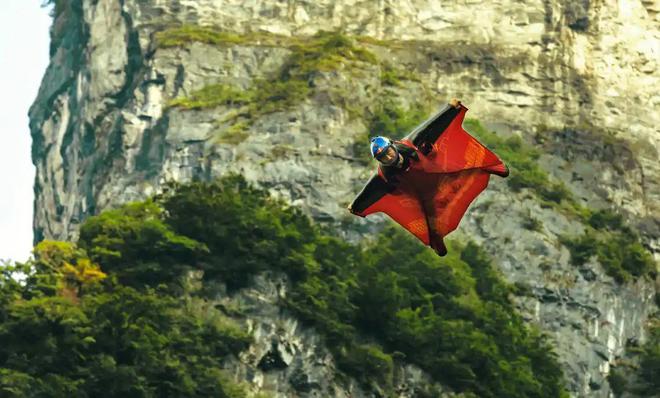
[456, 150]
[434, 194]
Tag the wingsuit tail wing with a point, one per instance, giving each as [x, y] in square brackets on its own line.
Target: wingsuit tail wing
[451, 197]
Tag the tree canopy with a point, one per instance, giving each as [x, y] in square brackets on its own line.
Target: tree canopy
[114, 315]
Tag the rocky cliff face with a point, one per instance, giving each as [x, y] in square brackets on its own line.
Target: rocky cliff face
[579, 80]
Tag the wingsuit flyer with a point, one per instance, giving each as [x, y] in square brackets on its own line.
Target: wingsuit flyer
[329, 198]
[429, 194]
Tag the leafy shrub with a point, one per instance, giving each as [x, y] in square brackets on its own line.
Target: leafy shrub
[134, 243]
[582, 248]
[374, 305]
[323, 52]
[369, 362]
[277, 95]
[114, 341]
[244, 229]
[394, 77]
[619, 252]
[235, 134]
[392, 120]
[606, 219]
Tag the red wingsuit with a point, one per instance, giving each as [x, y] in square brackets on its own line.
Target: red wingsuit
[431, 196]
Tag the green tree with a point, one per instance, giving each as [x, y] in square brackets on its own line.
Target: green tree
[244, 229]
[131, 334]
[118, 342]
[134, 243]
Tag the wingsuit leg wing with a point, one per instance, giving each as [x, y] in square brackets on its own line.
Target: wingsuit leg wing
[445, 198]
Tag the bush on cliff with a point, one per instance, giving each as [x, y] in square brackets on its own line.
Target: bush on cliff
[374, 305]
[70, 330]
[617, 247]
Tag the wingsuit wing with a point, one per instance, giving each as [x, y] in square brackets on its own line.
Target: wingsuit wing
[432, 197]
[448, 148]
[400, 204]
[431, 129]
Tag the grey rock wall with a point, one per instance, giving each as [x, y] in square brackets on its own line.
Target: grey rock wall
[579, 79]
[289, 359]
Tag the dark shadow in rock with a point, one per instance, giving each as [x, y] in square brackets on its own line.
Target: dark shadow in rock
[272, 360]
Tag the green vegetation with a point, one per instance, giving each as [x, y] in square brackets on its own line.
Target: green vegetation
[617, 247]
[451, 317]
[650, 359]
[292, 84]
[69, 329]
[264, 97]
[392, 120]
[211, 96]
[134, 244]
[182, 35]
[323, 52]
[622, 256]
[235, 134]
[244, 230]
[277, 95]
[136, 319]
[391, 76]
[522, 289]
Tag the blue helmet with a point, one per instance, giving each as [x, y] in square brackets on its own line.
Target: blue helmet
[379, 145]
